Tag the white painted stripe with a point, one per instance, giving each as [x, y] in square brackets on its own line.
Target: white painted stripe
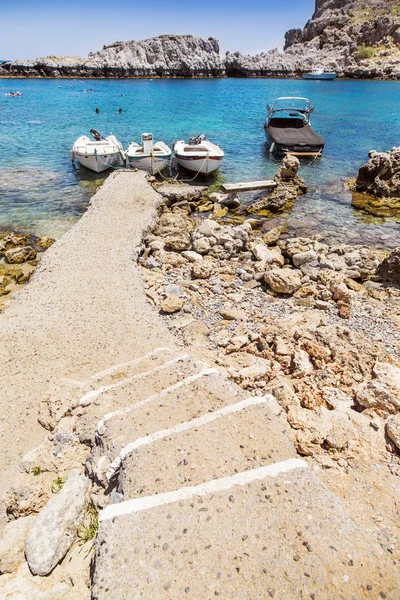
[93, 394]
[199, 422]
[210, 487]
[112, 370]
[123, 411]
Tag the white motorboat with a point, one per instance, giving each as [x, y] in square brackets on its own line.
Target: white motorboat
[99, 153]
[148, 156]
[199, 155]
[317, 73]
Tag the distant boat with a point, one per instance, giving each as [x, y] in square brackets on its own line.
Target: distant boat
[318, 74]
[199, 155]
[97, 154]
[288, 128]
[148, 156]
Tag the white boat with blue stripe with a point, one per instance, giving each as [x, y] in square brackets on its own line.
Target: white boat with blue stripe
[317, 73]
[148, 156]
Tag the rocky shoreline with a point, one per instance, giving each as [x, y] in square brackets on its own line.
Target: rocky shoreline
[315, 325]
[355, 38]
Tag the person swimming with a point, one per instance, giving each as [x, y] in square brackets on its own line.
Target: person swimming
[84, 90]
[97, 111]
[120, 111]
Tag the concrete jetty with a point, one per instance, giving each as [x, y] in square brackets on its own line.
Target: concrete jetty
[83, 310]
[202, 492]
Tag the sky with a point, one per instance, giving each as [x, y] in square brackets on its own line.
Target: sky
[37, 28]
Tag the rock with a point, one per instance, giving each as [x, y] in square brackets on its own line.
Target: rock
[191, 255]
[12, 544]
[304, 257]
[283, 281]
[383, 392]
[284, 394]
[23, 500]
[195, 334]
[231, 201]
[172, 290]
[23, 586]
[232, 315]
[393, 430]
[55, 527]
[272, 236]
[180, 192]
[289, 167]
[273, 202]
[45, 242]
[389, 269]
[380, 176]
[202, 245]
[267, 255]
[202, 269]
[302, 364]
[172, 304]
[20, 255]
[257, 371]
[178, 242]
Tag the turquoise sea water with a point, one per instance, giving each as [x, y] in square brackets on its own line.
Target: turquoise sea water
[42, 192]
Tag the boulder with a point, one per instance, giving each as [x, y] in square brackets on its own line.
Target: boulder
[383, 392]
[380, 176]
[172, 304]
[20, 254]
[272, 236]
[54, 529]
[268, 255]
[283, 281]
[389, 269]
[202, 269]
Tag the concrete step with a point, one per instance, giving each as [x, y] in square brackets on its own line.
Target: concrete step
[190, 398]
[238, 437]
[152, 378]
[275, 531]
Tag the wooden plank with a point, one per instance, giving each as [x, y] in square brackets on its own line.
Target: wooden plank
[248, 186]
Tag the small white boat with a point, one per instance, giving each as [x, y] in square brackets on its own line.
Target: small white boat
[317, 73]
[99, 153]
[148, 156]
[199, 155]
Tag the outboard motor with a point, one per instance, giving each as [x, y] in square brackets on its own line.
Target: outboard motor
[96, 135]
[194, 141]
[147, 143]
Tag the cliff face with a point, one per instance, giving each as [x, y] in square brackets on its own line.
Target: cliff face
[355, 38]
[163, 56]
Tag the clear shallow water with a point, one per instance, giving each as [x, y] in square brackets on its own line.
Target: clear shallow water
[41, 191]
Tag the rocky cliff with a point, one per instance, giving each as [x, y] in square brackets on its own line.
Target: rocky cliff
[163, 56]
[355, 38]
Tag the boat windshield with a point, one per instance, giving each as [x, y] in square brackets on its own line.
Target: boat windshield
[290, 108]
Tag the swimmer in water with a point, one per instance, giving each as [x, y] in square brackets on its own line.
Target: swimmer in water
[84, 91]
[120, 111]
[97, 111]
[121, 94]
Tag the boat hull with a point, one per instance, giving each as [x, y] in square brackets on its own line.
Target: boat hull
[96, 163]
[322, 76]
[150, 164]
[199, 164]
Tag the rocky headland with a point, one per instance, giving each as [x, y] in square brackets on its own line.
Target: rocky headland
[355, 38]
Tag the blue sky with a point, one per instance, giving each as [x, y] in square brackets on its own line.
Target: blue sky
[34, 28]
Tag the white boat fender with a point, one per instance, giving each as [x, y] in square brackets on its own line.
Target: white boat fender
[173, 163]
[72, 154]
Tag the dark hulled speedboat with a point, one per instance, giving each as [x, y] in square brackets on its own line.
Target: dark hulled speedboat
[288, 128]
